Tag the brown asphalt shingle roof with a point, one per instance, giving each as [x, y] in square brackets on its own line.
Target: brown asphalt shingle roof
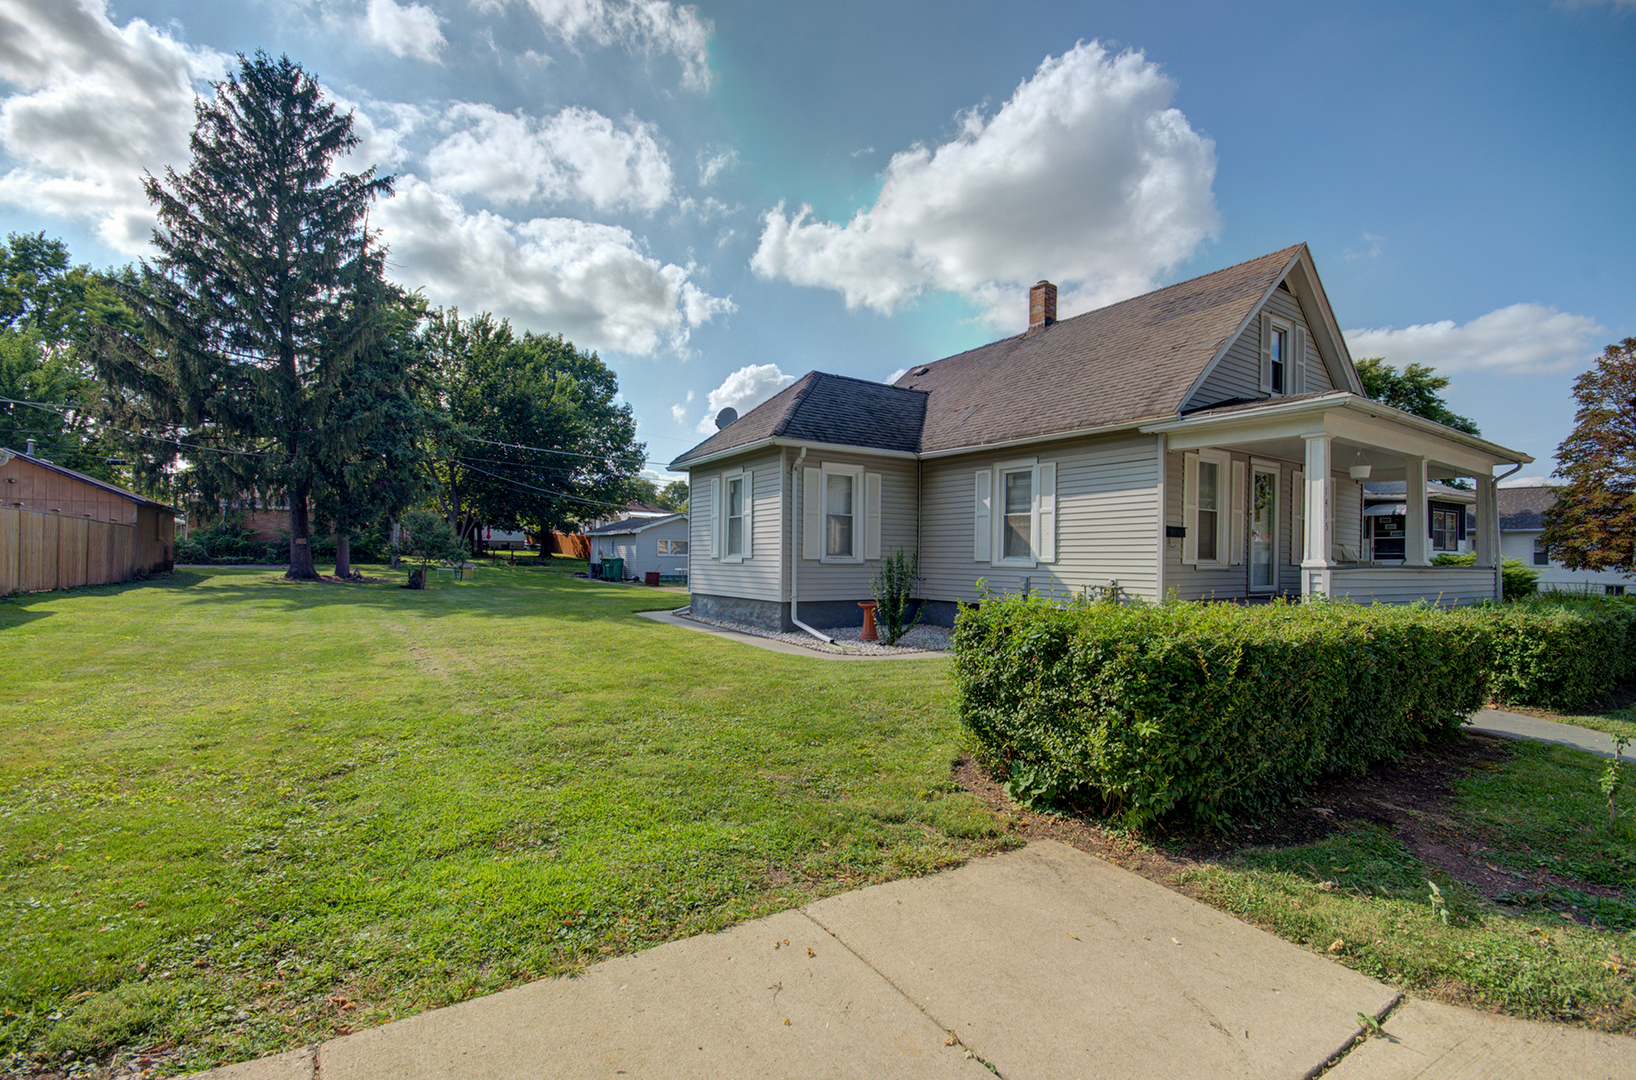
[1134, 360]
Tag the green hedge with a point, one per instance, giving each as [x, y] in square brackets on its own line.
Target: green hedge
[1558, 651]
[1207, 712]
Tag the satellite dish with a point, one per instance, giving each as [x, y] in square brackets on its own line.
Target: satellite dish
[725, 417]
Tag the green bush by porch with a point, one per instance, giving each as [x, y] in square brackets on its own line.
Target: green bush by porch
[1205, 712]
[1558, 651]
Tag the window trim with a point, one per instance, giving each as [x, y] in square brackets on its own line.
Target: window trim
[741, 476]
[997, 515]
[1223, 460]
[1542, 554]
[1277, 325]
[859, 511]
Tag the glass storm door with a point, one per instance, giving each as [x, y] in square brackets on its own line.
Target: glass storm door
[1264, 531]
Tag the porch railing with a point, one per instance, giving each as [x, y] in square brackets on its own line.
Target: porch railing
[1446, 585]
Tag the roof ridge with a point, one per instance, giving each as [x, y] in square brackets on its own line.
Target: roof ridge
[801, 395]
[868, 382]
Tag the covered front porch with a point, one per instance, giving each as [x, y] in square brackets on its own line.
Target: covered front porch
[1339, 438]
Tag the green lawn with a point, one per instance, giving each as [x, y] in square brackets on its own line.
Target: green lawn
[239, 814]
[1562, 947]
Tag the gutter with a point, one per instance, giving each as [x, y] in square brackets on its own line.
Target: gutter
[795, 553]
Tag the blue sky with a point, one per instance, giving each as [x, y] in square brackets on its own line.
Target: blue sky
[721, 197]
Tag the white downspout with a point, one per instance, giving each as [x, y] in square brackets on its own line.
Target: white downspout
[795, 552]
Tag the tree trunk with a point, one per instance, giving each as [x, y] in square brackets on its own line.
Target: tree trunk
[395, 533]
[343, 555]
[301, 566]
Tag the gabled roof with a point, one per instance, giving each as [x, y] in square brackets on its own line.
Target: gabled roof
[52, 466]
[1524, 507]
[634, 525]
[825, 408]
[1134, 360]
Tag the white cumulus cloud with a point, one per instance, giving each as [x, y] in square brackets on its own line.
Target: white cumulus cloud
[743, 390]
[404, 29]
[712, 165]
[1521, 338]
[1086, 176]
[95, 105]
[593, 283]
[576, 154]
[645, 28]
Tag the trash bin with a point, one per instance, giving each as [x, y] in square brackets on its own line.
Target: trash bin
[613, 569]
[652, 578]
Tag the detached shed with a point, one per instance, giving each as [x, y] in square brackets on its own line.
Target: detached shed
[645, 543]
[60, 528]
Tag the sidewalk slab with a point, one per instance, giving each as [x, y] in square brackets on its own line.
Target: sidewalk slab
[740, 1003]
[1050, 963]
[1426, 1040]
[1512, 725]
[290, 1065]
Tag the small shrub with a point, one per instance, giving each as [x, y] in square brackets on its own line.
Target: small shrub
[1207, 712]
[893, 584]
[1518, 581]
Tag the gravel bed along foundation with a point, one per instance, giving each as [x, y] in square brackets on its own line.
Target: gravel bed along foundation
[919, 639]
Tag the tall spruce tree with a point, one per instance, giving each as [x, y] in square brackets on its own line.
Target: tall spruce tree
[1592, 524]
[251, 311]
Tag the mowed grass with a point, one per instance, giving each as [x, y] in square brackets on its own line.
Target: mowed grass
[239, 814]
[1561, 947]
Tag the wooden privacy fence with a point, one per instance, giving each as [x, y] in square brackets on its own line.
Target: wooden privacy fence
[41, 551]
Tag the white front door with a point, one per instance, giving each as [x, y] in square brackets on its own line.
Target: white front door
[1263, 528]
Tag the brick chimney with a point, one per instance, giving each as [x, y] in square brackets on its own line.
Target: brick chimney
[1042, 306]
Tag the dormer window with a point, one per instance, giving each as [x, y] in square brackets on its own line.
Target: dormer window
[1277, 354]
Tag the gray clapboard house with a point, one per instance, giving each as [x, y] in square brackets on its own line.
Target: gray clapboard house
[1207, 440]
[645, 542]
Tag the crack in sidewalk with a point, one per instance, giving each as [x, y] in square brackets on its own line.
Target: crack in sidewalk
[953, 1040]
[1359, 1037]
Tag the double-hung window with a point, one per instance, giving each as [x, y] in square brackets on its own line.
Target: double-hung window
[1208, 511]
[1016, 519]
[733, 515]
[1278, 357]
[1542, 555]
[1017, 526]
[1445, 527]
[840, 521]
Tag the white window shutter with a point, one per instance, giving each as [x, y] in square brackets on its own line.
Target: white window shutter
[1190, 509]
[812, 513]
[1240, 498]
[1046, 548]
[1266, 353]
[1300, 346]
[715, 517]
[1298, 517]
[871, 516]
[749, 510]
[982, 522]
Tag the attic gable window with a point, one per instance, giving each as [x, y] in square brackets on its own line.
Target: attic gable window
[1278, 352]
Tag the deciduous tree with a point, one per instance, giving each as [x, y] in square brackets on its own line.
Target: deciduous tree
[1415, 389]
[1592, 524]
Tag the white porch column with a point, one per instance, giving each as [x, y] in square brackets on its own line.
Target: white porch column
[1488, 531]
[1416, 531]
[1319, 542]
[1488, 524]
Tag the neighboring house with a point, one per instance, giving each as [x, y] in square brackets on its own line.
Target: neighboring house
[1451, 516]
[646, 544]
[60, 529]
[1522, 523]
[1204, 440]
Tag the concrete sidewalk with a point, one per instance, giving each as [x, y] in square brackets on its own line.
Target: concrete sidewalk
[1512, 725]
[1040, 964]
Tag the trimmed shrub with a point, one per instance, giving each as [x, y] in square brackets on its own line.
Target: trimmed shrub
[1207, 712]
[1558, 651]
[1518, 581]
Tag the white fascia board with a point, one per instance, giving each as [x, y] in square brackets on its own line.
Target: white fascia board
[1319, 416]
[799, 444]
